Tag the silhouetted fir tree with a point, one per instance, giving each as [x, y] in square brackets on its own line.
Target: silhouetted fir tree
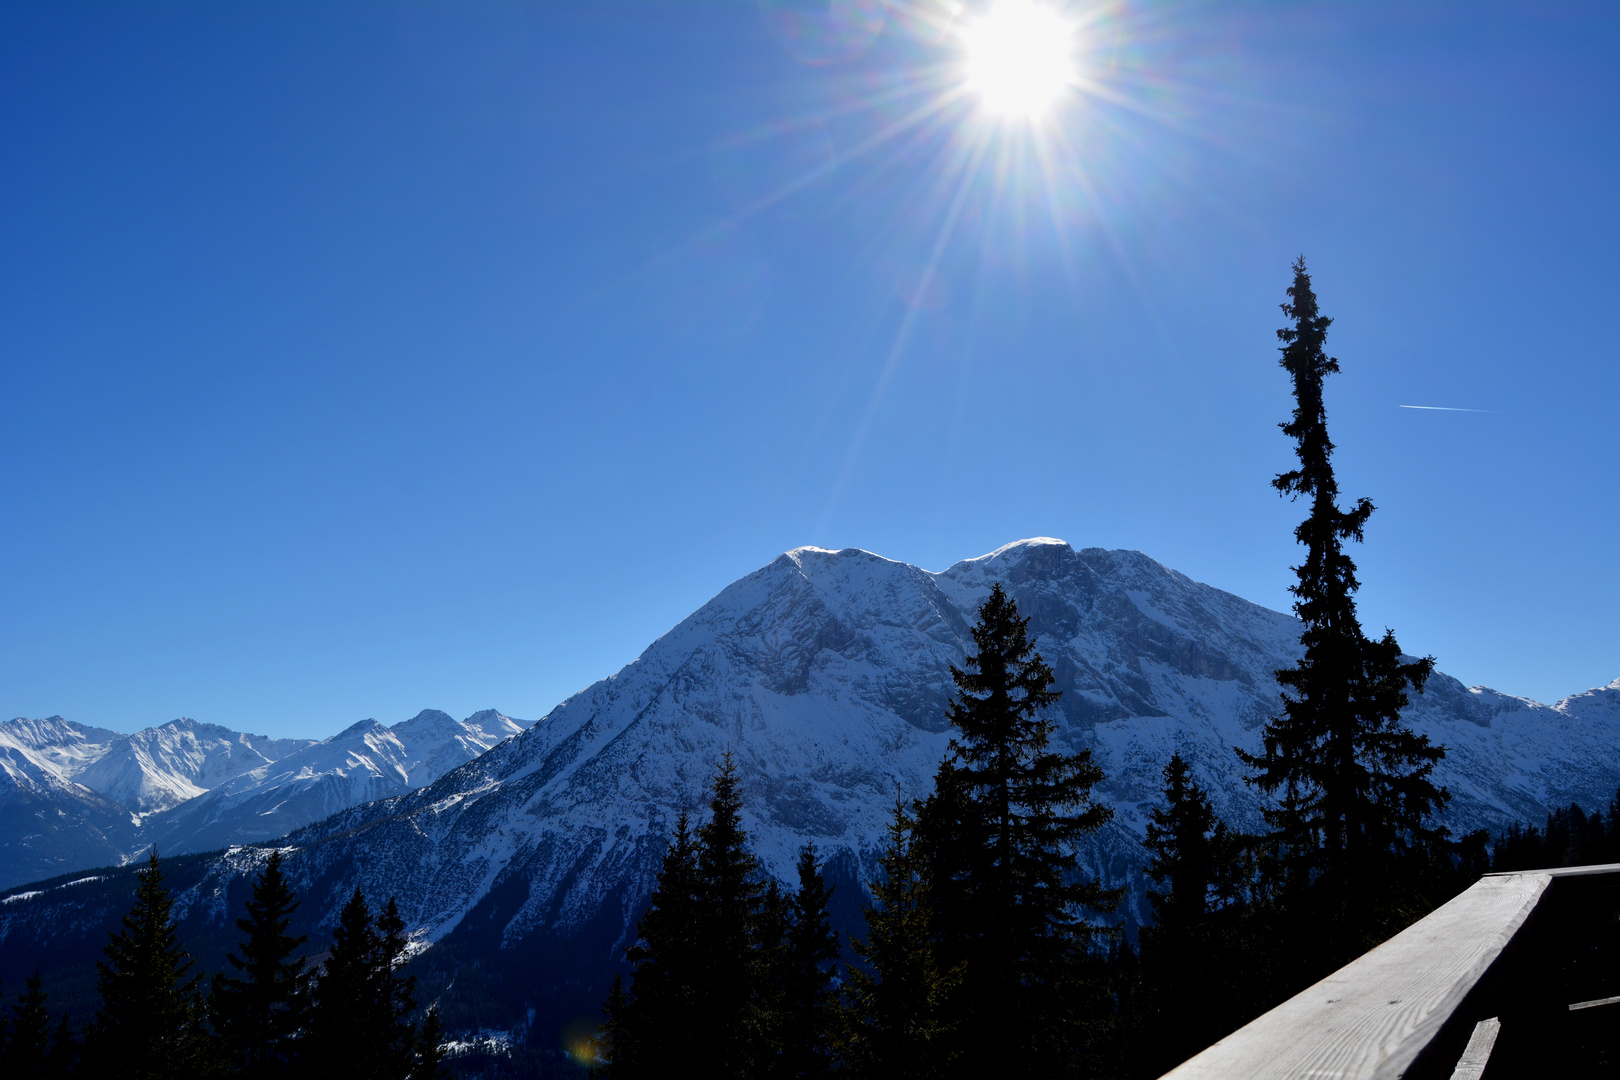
[732, 896]
[343, 1024]
[26, 1049]
[64, 1055]
[1191, 957]
[1353, 829]
[612, 1046]
[707, 965]
[999, 839]
[769, 980]
[150, 1025]
[399, 996]
[896, 1016]
[429, 1049]
[258, 1016]
[359, 1027]
[807, 1003]
[659, 1020]
[1194, 856]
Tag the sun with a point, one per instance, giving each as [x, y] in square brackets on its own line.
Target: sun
[1019, 58]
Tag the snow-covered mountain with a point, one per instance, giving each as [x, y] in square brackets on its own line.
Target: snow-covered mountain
[826, 673]
[74, 796]
[161, 767]
[365, 762]
[50, 824]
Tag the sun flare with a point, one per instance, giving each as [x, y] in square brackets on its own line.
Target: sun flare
[1020, 58]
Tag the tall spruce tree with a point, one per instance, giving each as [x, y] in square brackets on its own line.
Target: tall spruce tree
[807, 1002]
[429, 1063]
[659, 1021]
[26, 1053]
[359, 1026]
[708, 960]
[999, 837]
[1195, 857]
[343, 1025]
[733, 901]
[1355, 798]
[150, 1026]
[258, 1014]
[398, 998]
[1194, 969]
[897, 1001]
[64, 1055]
[30, 1052]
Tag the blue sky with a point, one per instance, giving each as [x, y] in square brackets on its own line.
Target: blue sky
[361, 358]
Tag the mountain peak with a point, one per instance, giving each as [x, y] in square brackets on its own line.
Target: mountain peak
[424, 719]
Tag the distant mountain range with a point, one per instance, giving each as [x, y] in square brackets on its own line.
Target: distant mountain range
[74, 796]
[827, 674]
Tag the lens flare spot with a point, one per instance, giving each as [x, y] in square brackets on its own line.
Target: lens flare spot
[1019, 58]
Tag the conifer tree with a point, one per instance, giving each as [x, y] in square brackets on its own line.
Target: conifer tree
[343, 1027]
[1193, 966]
[150, 1024]
[807, 1001]
[429, 1049]
[660, 1020]
[358, 1025]
[897, 1016]
[999, 835]
[258, 1015]
[728, 974]
[27, 1047]
[64, 1051]
[1195, 856]
[732, 898]
[613, 1049]
[1354, 788]
[770, 974]
[398, 998]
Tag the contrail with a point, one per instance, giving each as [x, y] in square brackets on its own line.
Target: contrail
[1444, 408]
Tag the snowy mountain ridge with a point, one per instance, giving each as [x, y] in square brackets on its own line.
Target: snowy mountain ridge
[190, 786]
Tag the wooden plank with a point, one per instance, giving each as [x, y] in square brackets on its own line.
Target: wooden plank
[1565, 871]
[1477, 1054]
[1370, 1019]
[1594, 1003]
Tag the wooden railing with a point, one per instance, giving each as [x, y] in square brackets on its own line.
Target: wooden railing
[1512, 954]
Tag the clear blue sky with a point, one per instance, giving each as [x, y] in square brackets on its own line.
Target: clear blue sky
[360, 358]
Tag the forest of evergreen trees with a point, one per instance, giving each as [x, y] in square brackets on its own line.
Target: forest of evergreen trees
[270, 1014]
[985, 951]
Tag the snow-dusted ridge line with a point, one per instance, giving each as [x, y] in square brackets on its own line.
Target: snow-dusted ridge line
[189, 786]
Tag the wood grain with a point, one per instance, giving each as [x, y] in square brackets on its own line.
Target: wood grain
[1477, 1054]
[1370, 1019]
